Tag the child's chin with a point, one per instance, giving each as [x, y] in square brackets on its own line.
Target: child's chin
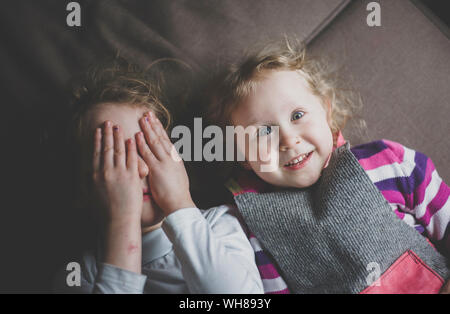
[305, 182]
[151, 215]
[303, 185]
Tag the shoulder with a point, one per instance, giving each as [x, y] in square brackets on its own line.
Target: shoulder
[388, 153]
[395, 167]
[386, 148]
[220, 213]
[224, 216]
[228, 224]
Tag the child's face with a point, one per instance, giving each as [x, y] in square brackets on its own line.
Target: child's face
[283, 99]
[127, 117]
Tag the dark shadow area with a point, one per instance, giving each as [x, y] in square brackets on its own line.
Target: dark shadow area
[440, 8]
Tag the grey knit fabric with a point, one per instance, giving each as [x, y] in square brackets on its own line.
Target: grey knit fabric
[324, 237]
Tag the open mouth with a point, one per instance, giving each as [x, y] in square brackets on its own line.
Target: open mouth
[299, 161]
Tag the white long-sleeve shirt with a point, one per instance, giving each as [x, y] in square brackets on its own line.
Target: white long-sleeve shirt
[194, 251]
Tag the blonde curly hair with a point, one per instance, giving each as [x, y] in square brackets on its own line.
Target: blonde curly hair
[116, 82]
[323, 79]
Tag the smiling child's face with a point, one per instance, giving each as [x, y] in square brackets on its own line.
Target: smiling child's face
[127, 117]
[283, 99]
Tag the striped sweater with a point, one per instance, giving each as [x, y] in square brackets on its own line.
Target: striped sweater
[409, 182]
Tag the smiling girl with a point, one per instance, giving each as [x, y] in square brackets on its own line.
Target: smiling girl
[285, 96]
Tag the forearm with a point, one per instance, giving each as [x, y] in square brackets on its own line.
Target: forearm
[123, 247]
[212, 262]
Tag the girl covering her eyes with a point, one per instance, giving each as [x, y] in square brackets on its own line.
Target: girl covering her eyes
[152, 237]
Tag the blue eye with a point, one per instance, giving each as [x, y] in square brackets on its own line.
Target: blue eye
[297, 115]
[264, 130]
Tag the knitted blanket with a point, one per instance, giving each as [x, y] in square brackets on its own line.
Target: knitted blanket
[330, 237]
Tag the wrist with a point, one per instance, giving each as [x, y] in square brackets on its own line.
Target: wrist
[122, 223]
[117, 214]
[179, 204]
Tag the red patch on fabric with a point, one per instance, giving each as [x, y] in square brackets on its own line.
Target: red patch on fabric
[408, 275]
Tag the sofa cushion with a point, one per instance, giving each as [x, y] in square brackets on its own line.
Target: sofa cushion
[401, 69]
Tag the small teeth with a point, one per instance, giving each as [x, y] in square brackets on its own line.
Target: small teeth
[297, 160]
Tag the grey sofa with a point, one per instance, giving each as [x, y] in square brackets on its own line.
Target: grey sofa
[401, 69]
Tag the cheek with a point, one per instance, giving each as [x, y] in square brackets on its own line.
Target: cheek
[246, 148]
[263, 150]
[268, 160]
[270, 154]
[328, 134]
[320, 132]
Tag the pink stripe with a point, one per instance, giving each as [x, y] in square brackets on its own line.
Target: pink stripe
[268, 271]
[340, 140]
[245, 191]
[394, 197]
[397, 149]
[436, 204]
[419, 193]
[399, 214]
[250, 191]
[379, 159]
[284, 291]
[395, 153]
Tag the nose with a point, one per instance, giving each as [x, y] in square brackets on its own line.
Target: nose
[288, 140]
[142, 168]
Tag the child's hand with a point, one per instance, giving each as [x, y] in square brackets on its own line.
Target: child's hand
[115, 175]
[168, 180]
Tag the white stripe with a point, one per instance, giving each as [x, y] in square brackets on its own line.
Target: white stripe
[272, 285]
[400, 207]
[439, 221]
[385, 172]
[409, 219]
[255, 244]
[430, 193]
[403, 169]
[408, 164]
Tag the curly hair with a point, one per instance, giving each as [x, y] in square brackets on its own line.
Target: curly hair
[116, 82]
[239, 80]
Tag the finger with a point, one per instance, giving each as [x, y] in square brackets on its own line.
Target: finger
[157, 127]
[119, 147]
[164, 138]
[156, 124]
[108, 146]
[167, 143]
[142, 167]
[153, 140]
[174, 153]
[145, 151]
[97, 150]
[132, 156]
